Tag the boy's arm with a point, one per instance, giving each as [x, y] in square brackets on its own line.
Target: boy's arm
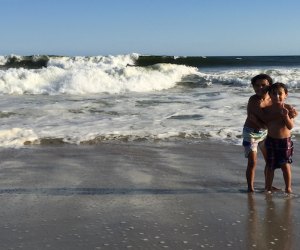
[289, 122]
[255, 109]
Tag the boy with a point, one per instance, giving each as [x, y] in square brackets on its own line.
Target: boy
[254, 131]
[278, 142]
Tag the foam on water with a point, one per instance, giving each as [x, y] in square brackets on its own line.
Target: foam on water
[87, 75]
[16, 137]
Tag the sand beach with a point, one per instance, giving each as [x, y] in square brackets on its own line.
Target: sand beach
[141, 196]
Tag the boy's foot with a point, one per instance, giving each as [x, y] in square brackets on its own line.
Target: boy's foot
[250, 190]
[288, 191]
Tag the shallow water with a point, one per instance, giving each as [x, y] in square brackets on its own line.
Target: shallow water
[88, 100]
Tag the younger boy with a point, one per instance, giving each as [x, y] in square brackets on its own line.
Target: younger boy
[254, 131]
[278, 142]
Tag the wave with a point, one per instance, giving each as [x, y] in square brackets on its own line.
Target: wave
[18, 137]
[56, 75]
[91, 75]
[27, 62]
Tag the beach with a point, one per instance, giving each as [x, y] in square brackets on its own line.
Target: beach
[138, 152]
[141, 195]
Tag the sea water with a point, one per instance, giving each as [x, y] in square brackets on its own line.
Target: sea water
[89, 100]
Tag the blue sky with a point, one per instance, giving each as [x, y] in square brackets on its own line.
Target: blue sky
[159, 27]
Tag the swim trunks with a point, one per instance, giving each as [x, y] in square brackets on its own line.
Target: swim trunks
[252, 138]
[279, 151]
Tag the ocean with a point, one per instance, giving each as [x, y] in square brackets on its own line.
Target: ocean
[95, 99]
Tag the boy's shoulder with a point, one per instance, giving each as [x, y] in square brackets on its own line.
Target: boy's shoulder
[254, 99]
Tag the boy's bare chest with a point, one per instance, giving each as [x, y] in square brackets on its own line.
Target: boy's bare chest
[274, 116]
[265, 103]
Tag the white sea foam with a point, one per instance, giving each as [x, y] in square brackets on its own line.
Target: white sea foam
[16, 137]
[81, 75]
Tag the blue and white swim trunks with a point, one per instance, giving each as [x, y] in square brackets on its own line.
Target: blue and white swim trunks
[252, 139]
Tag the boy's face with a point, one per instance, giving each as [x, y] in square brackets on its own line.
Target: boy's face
[261, 87]
[278, 96]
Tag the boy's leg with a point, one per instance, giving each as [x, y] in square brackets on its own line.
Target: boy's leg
[264, 153]
[250, 172]
[287, 175]
[269, 178]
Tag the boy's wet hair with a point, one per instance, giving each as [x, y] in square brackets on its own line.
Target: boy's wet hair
[262, 77]
[277, 86]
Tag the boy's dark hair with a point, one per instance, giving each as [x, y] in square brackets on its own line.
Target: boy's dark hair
[277, 86]
[262, 77]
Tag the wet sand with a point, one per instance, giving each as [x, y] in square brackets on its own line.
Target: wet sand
[141, 196]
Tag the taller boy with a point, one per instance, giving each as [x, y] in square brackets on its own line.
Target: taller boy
[254, 131]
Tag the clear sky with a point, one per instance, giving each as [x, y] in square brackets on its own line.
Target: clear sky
[156, 27]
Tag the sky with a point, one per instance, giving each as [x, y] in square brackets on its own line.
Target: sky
[150, 27]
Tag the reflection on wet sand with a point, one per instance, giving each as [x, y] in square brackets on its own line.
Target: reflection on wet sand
[271, 228]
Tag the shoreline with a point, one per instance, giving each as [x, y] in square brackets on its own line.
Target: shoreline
[141, 196]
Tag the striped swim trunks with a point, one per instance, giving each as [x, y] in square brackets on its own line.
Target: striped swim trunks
[252, 139]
